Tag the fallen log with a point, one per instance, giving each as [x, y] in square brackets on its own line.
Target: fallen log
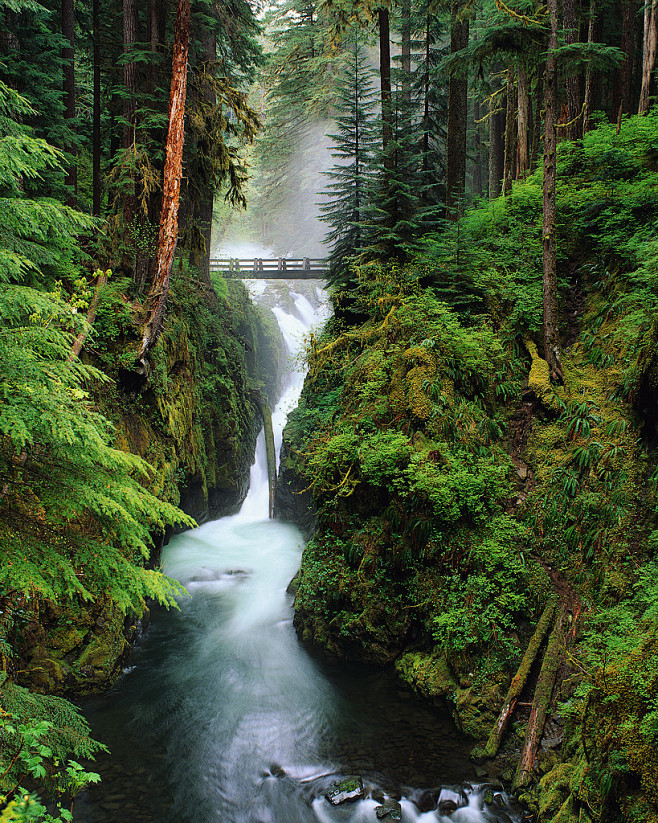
[540, 703]
[76, 348]
[518, 682]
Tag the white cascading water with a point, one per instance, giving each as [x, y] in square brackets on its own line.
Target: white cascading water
[227, 715]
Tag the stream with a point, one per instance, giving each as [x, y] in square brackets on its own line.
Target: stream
[224, 717]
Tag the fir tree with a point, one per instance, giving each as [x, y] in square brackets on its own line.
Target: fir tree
[353, 146]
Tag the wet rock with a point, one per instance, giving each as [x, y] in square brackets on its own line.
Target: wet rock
[389, 810]
[378, 795]
[450, 800]
[277, 771]
[347, 790]
[426, 801]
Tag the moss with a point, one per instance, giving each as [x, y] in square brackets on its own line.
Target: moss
[539, 379]
[476, 708]
[429, 675]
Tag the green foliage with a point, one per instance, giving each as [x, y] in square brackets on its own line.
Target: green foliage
[38, 733]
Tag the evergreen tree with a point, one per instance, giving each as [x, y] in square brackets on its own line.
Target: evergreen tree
[353, 145]
[75, 521]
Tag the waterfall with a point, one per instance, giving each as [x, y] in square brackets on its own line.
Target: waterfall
[224, 717]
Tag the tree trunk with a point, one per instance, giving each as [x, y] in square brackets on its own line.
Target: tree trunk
[477, 151]
[79, 341]
[518, 682]
[649, 51]
[68, 85]
[96, 117]
[495, 158]
[536, 122]
[130, 90]
[542, 697]
[168, 236]
[589, 78]
[523, 122]
[624, 73]
[457, 122]
[551, 321]
[510, 132]
[385, 84]
[206, 202]
[426, 102]
[572, 81]
[405, 48]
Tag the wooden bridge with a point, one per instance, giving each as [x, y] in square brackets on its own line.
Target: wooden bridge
[303, 268]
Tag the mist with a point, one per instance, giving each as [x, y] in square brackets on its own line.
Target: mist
[288, 226]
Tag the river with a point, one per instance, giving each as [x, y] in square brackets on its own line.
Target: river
[224, 717]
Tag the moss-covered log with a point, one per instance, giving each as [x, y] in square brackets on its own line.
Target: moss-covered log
[541, 702]
[518, 682]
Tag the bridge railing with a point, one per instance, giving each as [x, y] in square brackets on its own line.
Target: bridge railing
[261, 268]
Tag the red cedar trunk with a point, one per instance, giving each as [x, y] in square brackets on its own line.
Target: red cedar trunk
[68, 85]
[457, 122]
[523, 122]
[572, 81]
[168, 237]
[589, 78]
[510, 133]
[385, 82]
[649, 61]
[551, 321]
[96, 117]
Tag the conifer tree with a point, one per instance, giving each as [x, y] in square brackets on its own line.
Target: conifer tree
[353, 144]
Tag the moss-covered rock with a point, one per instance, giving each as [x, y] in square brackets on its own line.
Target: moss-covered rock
[428, 674]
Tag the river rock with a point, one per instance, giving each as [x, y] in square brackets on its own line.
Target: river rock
[450, 800]
[347, 790]
[426, 801]
[389, 810]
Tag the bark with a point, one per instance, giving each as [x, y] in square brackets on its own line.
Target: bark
[523, 94]
[405, 48]
[96, 116]
[385, 84]
[130, 87]
[541, 701]
[572, 81]
[510, 132]
[477, 151]
[129, 71]
[649, 61]
[551, 321]
[168, 235]
[206, 203]
[79, 341]
[426, 100]
[518, 682]
[495, 159]
[457, 121]
[589, 74]
[624, 73]
[68, 84]
[536, 122]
